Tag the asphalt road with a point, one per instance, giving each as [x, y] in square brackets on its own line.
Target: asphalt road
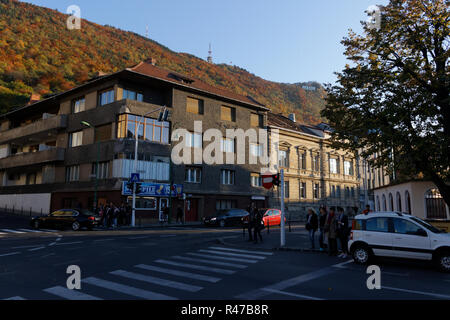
[189, 263]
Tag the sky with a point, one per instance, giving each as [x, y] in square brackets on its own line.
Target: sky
[285, 41]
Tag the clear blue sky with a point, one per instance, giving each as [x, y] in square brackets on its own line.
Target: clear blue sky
[284, 41]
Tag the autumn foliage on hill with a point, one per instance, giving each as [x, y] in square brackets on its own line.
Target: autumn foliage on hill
[39, 54]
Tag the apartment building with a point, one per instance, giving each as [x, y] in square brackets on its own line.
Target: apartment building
[49, 150]
[315, 173]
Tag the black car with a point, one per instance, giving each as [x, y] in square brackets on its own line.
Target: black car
[228, 217]
[67, 218]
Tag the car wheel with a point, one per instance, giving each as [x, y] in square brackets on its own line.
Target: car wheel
[361, 254]
[76, 226]
[36, 224]
[443, 261]
[222, 223]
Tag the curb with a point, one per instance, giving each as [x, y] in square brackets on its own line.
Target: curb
[294, 249]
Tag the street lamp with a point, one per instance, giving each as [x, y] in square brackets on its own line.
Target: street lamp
[164, 114]
[87, 124]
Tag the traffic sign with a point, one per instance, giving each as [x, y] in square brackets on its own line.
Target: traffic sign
[267, 181]
[135, 177]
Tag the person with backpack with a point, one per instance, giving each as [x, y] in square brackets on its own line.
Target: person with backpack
[312, 224]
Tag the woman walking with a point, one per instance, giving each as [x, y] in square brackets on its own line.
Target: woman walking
[312, 223]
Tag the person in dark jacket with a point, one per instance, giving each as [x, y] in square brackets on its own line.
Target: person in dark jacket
[312, 224]
[331, 230]
[179, 214]
[257, 224]
[342, 231]
[250, 221]
[322, 220]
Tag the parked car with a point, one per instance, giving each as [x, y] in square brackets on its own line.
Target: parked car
[66, 218]
[271, 217]
[398, 235]
[227, 217]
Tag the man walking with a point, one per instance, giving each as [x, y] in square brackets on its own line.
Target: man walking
[179, 214]
[342, 232]
[330, 227]
[322, 220]
[250, 221]
[312, 224]
[257, 224]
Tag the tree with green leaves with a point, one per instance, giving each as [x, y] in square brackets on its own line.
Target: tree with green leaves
[393, 100]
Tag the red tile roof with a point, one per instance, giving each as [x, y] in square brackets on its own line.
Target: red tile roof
[148, 69]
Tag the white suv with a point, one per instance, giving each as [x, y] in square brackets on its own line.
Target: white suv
[394, 234]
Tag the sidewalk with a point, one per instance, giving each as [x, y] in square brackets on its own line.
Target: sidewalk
[162, 226]
[296, 240]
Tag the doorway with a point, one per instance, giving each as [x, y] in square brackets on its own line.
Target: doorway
[191, 210]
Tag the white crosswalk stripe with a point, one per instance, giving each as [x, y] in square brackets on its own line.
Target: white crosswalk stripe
[157, 281]
[11, 231]
[132, 291]
[243, 251]
[29, 230]
[233, 254]
[178, 273]
[24, 230]
[70, 294]
[221, 258]
[15, 298]
[217, 263]
[197, 267]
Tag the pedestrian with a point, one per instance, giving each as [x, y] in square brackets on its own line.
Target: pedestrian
[322, 220]
[330, 228]
[179, 214]
[128, 214]
[342, 231]
[257, 224]
[312, 224]
[122, 214]
[107, 216]
[101, 214]
[166, 213]
[367, 211]
[250, 221]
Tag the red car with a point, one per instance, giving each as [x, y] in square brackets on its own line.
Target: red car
[272, 217]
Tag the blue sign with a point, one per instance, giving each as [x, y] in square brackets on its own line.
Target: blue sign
[154, 190]
[135, 178]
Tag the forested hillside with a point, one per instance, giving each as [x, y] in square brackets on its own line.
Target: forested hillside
[39, 54]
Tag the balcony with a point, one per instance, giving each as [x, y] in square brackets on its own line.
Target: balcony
[33, 158]
[34, 131]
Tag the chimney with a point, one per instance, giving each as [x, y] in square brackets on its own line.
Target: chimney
[292, 117]
[35, 97]
[151, 61]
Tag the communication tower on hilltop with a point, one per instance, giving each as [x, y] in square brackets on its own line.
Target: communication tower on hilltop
[210, 59]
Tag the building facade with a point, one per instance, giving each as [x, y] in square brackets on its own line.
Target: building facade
[49, 150]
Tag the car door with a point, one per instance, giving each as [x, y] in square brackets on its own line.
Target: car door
[378, 235]
[67, 218]
[267, 218]
[53, 220]
[276, 217]
[411, 240]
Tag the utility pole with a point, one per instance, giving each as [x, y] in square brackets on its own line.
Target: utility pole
[283, 214]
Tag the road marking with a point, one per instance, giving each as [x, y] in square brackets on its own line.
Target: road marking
[233, 254]
[15, 298]
[157, 281]
[221, 258]
[218, 263]
[67, 243]
[193, 266]
[189, 275]
[25, 247]
[48, 230]
[28, 230]
[140, 293]
[36, 249]
[12, 231]
[436, 295]
[243, 251]
[291, 294]
[70, 294]
[342, 265]
[9, 254]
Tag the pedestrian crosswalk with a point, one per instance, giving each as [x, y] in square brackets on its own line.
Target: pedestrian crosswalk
[4, 232]
[167, 278]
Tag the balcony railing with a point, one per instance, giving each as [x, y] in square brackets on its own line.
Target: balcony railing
[33, 158]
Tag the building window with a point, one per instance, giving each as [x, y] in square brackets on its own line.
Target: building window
[78, 105]
[106, 97]
[76, 139]
[303, 190]
[256, 150]
[225, 204]
[333, 166]
[103, 133]
[132, 95]
[353, 192]
[317, 163]
[103, 170]
[408, 202]
[256, 180]
[333, 191]
[256, 120]
[194, 140]
[378, 204]
[72, 173]
[316, 191]
[302, 160]
[228, 114]
[227, 145]
[338, 192]
[194, 106]
[227, 177]
[31, 178]
[399, 202]
[286, 189]
[348, 168]
[150, 130]
[283, 160]
[193, 175]
[391, 202]
[384, 203]
[435, 205]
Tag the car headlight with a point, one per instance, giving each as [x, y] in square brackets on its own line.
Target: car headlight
[213, 219]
